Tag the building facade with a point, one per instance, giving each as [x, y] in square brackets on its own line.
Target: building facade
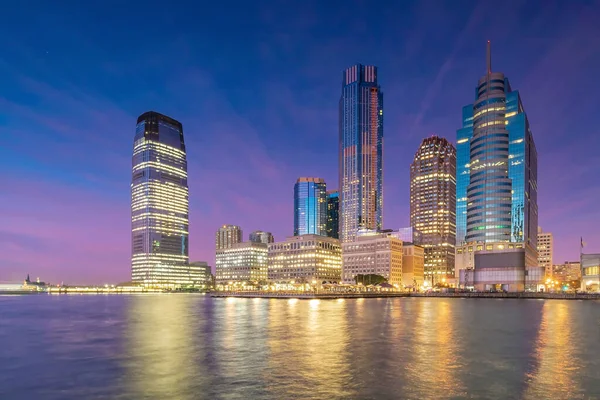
[590, 272]
[413, 266]
[310, 207]
[545, 248]
[375, 253]
[305, 259]
[242, 263]
[227, 236]
[463, 172]
[433, 205]
[202, 271]
[408, 234]
[333, 214]
[261, 237]
[501, 197]
[159, 203]
[567, 272]
[360, 151]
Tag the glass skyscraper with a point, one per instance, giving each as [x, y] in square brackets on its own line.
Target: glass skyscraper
[159, 204]
[310, 207]
[463, 173]
[501, 195]
[360, 152]
[433, 205]
[333, 214]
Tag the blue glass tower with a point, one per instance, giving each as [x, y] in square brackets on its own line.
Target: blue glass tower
[310, 207]
[333, 214]
[501, 196]
[463, 143]
[360, 152]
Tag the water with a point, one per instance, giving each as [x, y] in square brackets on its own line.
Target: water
[195, 347]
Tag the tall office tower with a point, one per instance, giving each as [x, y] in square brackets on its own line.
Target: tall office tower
[433, 205]
[310, 207]
[545, 247]
[227, 236]
[333, 214]
[360, 152]
[159, 203]
[502, 190]
[463, 173]
[261, 237]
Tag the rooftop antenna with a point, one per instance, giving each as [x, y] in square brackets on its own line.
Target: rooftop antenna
[489, 57]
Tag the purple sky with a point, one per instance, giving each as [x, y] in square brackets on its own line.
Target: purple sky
[256, 86]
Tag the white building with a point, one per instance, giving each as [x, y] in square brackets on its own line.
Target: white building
[376, 253]
[304, 259]
[545, 247]
[242, 262]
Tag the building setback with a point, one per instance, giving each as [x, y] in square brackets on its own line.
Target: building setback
[242, 263]
[310, 207]
[373, 253]
[361, 152]
[304, 259]
[433, 205]
[159, 204]
[227, 236]
[333, 214]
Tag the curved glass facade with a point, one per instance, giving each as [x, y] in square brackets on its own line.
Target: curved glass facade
[159, 204]
[361, 152]
[310, 207]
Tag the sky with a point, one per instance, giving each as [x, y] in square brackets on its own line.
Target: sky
[256, 86]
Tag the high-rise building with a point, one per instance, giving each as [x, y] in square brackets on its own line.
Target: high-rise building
[545, 248]
[261, 237]
[360, 152]
[433, 205]
[305, 259]
[241, 263]
[463, 173]
[227, 236]
[333, 214]
[501, 197]
[413, 265]
[159, 203]
[373, 253]
[310, 207]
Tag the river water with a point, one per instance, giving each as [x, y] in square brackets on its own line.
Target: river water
[185, 346]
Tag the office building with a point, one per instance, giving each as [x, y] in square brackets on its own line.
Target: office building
[227, 236]
[545, 247]
[565, 273]
[502, 190]
[242, 263]
[590, 272]
[413, 266]
[361, 151]
[463, 172]
[261, 237]
[310, 207]
[204, 278]
[159, 203]
[433, 205]
[333, 214]
[305, 259]
[374, 253]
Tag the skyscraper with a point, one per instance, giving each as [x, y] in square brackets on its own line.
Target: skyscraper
[545, 247]
[227, 236]
[159, 203]
[333, 214]
[360, 152]
[261, 237]
[463, 173]
[433, 205]
[502, 190]
[310, 207]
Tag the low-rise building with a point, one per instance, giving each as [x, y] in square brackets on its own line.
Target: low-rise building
[373, 253]
[413, 265]
[590, 275]
[566, 272]
[201, 275]
[305, 259]
[244, 262]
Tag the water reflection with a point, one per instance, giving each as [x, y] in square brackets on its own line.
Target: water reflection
[159, 340]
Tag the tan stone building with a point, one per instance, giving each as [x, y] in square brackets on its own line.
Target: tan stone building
[373, 253]
[413, 262]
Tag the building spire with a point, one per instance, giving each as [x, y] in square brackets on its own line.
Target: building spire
[489, 57]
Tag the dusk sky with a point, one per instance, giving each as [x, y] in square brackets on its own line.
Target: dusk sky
[256, 85]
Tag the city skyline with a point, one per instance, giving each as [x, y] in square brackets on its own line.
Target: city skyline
[67, 133]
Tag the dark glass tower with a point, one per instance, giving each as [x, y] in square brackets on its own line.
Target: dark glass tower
[333, 214]
[361, 152]
[310, 207]
[433, 205]
[159, 203]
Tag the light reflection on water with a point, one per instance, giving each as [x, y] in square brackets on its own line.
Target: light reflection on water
[195, 347]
